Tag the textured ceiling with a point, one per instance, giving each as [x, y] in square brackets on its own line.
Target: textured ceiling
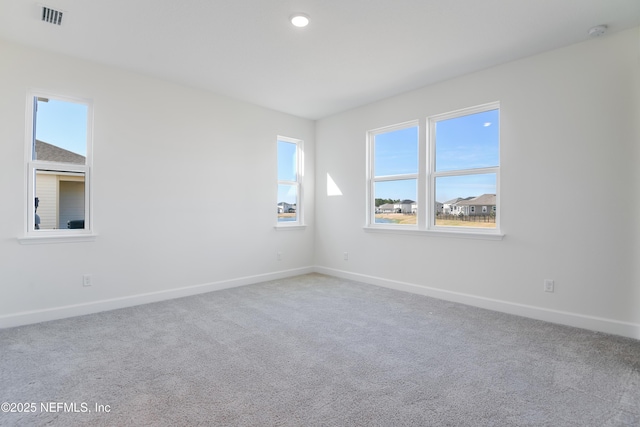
[352, 53]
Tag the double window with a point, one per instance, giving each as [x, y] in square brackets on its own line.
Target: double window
[290, 174]
[58, 166]
[446, 180]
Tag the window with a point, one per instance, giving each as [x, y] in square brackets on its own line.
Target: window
[393, 171]
[290, 173]
[444, 179]
[464, 167]
[59, 166]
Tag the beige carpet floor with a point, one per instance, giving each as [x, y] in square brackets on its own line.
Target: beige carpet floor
[315, 350]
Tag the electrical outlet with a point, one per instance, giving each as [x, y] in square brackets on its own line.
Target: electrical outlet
[279, 256]
[345, 256]
[549, 285]
[86, 280]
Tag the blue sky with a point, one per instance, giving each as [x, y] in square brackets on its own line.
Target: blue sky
[461, 143]
[396, 152]
[287, 160]
[467, 142]
[63, 124]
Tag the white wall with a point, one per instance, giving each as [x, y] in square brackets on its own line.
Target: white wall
[169, 159]
[168, 162]
[569, 147]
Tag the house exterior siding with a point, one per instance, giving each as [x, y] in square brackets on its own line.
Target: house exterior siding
[61, 198]
[47, 194]
[473, 206]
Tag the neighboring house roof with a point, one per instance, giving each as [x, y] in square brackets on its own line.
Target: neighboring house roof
[53, 153]
[387, 206]
[406, 202]
[453, 201]
[485, 199]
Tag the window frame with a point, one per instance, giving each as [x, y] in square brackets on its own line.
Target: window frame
[31, 234]
[426, 178]
[299, 222]
[372, 179]
[432, 174]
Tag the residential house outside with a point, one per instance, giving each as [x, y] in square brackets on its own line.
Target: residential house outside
[61, 195]
[439, 207]
[284, 207]
[483, 205]
[406, 206]
[387, 208]
[449, 207]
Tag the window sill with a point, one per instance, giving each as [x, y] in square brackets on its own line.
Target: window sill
[59, 238]
[413, 231]
[290, 227]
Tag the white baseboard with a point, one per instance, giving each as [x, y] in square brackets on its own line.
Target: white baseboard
[36, 316]
[626, 329]
[610, 326]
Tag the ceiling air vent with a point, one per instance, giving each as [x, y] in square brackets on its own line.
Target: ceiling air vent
[51, 16]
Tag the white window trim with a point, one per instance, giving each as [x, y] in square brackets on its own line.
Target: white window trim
[372, 179]
[432, 174]
[456, 232]
[426, 182]
[299, 222]
[31, 235]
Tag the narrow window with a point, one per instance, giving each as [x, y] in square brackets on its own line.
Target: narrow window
[393, 175]
[290, 173]
[464, 165]
[59, 166]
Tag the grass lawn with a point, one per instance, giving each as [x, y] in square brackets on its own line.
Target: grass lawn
[287, 215]
[458, 223]
[398, 218]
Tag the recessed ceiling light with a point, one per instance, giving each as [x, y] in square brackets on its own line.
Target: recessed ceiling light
[300, 20]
